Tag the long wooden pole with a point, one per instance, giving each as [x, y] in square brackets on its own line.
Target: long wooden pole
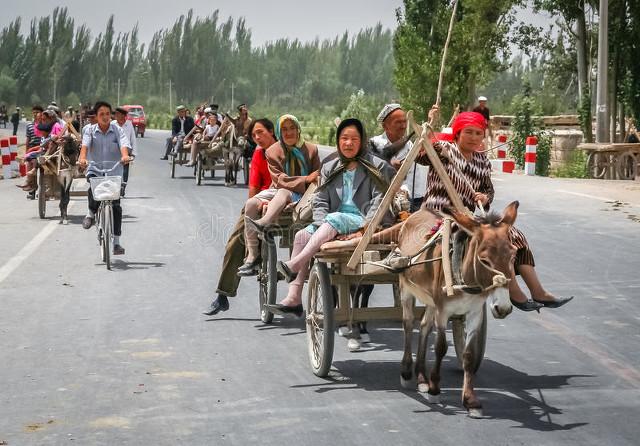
[436, 164]
[397, 181]
[435, 118]
[444, 53]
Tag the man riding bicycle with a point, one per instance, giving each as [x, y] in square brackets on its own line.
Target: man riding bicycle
[104, 142]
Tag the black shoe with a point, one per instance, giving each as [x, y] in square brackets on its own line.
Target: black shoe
[284, 310]
[87, 222]
[283, 269]
[249, 268]
[31, 195]
[557, 303]
[164, 158]
[529, 305]
[221, 303]
[118, 250]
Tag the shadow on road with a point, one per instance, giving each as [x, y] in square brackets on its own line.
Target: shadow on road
[125, 266]
[506, 393]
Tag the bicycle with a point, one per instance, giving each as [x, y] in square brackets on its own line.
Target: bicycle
[106, 189]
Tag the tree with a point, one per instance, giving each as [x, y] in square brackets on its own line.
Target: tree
[478, 49]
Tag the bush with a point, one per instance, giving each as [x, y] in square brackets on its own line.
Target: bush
[524, 125]
[576, 166]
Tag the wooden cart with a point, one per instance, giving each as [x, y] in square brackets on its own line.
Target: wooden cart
[49, 171]
[612, 161]
[329, 304]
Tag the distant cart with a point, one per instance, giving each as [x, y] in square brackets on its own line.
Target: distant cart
[612, 161]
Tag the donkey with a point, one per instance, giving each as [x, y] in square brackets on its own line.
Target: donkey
[69, 151]
[485, 267]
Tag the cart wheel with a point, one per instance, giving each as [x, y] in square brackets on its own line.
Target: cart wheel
[460, 337]
[42, 193]
[320, 320]
[173, 166]
[245, 170]
[268, 278]
[597, 165]
[199, 171]
[213, 172]
[627, 166]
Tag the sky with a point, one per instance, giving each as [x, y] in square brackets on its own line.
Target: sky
[267, 19]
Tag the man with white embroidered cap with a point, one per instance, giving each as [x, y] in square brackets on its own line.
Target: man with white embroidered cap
[393, 145]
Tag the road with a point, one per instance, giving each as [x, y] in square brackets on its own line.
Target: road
[93, 357]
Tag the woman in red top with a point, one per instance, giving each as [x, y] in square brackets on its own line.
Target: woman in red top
[262, 132]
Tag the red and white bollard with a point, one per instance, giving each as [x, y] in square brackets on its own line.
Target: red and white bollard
[6, 158]
[13, 150]
[502, 147]
[531, 148]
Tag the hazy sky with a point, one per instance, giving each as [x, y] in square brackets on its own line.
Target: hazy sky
[268, 19]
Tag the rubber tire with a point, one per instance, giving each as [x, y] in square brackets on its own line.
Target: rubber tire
[268, 278]
[320, 291]
[199, 171]
[42, 193]
[459, 336]
[173, 166]
[245, 169]
[106, 236]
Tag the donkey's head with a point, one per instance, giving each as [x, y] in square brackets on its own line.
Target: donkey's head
[488, 262]
[70, 149]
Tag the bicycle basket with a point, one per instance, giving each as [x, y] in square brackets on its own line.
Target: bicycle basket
[105, 188]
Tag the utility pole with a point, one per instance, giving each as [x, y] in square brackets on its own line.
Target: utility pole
[55, 84]
[118, 102]
[602, 118]
[170, 98]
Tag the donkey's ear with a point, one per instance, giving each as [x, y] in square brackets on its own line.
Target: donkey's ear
[510, 213]
[464, 220]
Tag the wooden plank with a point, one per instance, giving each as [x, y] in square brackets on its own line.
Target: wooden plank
[397, 181]
[446, 259]
[609, 147]
[374, 314]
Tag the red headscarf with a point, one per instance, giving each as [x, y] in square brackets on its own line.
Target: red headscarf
[468, 119]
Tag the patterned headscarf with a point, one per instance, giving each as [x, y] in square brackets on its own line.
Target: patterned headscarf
[295, 164]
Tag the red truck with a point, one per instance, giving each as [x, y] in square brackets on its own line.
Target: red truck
[137, 117]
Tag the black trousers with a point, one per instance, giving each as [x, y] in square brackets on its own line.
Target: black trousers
[15, 128]
[117, 210]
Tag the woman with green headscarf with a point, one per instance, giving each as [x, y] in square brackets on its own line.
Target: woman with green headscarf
[293, 165]
[353, 183]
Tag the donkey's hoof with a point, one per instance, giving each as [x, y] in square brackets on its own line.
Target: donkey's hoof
[423, 387]
[476, 413]
[344, 331]
[408, 384]
[354, 345]
[433, 399]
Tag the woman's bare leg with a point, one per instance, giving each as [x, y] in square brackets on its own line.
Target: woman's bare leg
[536, 289]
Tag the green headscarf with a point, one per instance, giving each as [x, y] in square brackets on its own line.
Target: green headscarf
[295, 164]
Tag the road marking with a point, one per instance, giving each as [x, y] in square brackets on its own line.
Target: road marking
[595, 197]
[27, 250]
[497, 179]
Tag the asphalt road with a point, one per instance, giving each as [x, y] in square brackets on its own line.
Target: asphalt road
[93, 357]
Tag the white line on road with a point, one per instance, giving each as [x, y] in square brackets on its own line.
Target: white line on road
[15, 261]
[595, 197]
[29, 248]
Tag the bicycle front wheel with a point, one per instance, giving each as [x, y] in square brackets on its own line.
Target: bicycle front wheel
[106, 234]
